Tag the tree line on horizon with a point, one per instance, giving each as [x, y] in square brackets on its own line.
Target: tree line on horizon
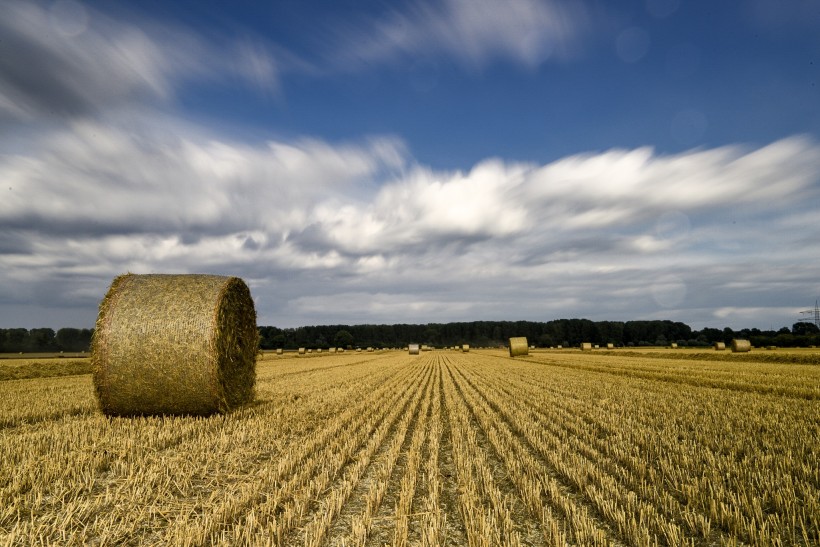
[565, 332]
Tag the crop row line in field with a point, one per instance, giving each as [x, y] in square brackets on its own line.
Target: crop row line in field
[540, 485]
[236, 494]
[637, 521]
[318, 462]
[333, 499]
[801, 392]
[678, 480]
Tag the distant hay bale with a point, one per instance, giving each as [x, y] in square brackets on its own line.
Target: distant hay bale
[560, 346]
[465, 348]
[413, 349]
[610, 345]
[720, 346]
[319, 350]
[302, 351]
[586, 346]
[174, 344]
[340, 350]
[369, 348]
[741, 346]
[332, 350]
[596, 346]
[279, 351]
[519, 346]
[310, 350]
[673, 345]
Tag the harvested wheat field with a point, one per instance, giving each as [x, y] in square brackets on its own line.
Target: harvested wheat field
[442, 448]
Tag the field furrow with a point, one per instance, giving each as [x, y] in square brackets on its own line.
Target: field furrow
[443, 448]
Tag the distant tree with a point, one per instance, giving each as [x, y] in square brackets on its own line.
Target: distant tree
[16, 340]
[545, 341]
[802, 328]
[278, 341]
[68, 339]
[342, 339]
[41, 340]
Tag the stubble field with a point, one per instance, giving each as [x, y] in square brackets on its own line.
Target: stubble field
[442, 448]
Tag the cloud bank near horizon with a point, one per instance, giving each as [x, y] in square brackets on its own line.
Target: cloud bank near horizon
[361, 232]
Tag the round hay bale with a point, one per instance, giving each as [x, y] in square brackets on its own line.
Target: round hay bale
[720, 346]
[279, 351]
[519, 346]
[413, 349]
[586, 346]
[673, 345]
[465, 348]
[302, 351]
[174, 344]
[610, 345]
[741, 346]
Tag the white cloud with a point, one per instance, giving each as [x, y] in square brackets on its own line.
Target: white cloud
[620, 234]
[69, 60]
[473, 33]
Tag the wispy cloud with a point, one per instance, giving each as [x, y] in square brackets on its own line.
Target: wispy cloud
[471, 33]
[66, 59]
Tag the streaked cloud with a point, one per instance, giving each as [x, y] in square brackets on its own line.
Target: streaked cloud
[472, 33]
[627, 233]
[87, 61]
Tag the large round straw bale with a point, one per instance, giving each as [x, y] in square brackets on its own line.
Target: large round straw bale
[302, 351]
[586, 346]
[610, 345]
[413, 349]
[465, 348]
[720, 346]
[519, 346]
[174, 344]
[279, 351]
[741, 346]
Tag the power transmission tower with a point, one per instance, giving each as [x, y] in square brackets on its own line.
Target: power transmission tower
[811, 316]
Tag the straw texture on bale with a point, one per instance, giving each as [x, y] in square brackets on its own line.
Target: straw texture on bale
[741, 346]
[413, 349]
[519, 346]
[586, 346]
[174, 344]
[720, 346]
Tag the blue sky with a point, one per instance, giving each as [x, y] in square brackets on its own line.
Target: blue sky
[415, 161]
